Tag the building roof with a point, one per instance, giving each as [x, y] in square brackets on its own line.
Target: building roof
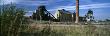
[64, 11]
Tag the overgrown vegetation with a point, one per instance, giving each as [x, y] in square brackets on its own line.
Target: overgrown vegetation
[77, 30]
[11, 18]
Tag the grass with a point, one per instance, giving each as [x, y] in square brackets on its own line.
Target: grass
[78, 30]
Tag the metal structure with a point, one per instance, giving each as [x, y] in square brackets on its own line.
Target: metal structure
[89, 16]
[43, 14]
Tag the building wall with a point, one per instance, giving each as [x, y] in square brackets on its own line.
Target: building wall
[64, 16]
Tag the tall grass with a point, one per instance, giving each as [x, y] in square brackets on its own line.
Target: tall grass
[76, 30]
[11, 18]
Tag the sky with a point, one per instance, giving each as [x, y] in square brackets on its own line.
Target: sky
[100, 8]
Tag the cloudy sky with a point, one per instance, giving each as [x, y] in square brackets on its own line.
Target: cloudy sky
[101, 8]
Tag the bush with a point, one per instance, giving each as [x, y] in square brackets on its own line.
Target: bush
[11, 18]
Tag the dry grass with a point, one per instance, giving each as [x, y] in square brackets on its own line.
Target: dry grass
[67, 30]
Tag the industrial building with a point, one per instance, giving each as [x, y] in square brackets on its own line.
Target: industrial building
[64, 16]
[60, 15]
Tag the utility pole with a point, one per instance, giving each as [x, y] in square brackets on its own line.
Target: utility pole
[77, 11]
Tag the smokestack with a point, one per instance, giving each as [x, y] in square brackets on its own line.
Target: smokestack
[77, 11]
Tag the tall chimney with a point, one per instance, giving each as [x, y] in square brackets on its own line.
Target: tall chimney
[77, 11]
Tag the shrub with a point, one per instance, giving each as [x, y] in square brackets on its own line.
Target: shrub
[11, 18]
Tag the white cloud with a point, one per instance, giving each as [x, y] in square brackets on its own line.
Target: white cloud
[24, 2]
[4, 2]
[31, 11]
[101, 5]
[34, 3]
[56, 0]
[90, 6]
